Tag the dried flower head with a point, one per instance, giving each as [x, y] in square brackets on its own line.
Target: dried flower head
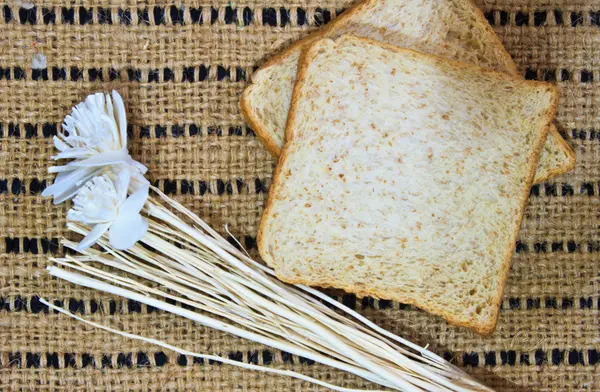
[95, 137]
[102, 203]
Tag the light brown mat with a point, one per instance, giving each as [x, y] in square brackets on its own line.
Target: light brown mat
[181, 69]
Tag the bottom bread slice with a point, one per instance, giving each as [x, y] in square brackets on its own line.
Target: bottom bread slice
[404, 177]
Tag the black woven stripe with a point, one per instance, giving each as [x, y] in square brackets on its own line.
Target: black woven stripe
[36, 246]
[244, 16]
[47, 130]
[565, 189]
[124, 306]
[28, 360]
[556, 356]
[539, 18]
[560, 75]
[553, 247]
[203, 73]
[168, 15]
[199, 73]
[220, 187]
[585, 134]
[33, 305]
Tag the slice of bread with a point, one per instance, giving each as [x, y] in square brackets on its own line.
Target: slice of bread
[404, 177]
[455, 29]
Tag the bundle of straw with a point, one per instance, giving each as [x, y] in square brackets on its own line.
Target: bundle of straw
[178, 263]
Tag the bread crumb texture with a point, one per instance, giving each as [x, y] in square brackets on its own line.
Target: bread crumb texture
[454, 29]
[405, 178]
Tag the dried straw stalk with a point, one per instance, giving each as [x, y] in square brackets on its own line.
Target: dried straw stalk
[209, 277]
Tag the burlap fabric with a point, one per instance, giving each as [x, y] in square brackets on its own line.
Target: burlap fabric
[181, 69]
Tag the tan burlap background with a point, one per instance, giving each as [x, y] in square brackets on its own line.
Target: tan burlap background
[181, 69]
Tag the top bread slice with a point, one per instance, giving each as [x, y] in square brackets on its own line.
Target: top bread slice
[404, 177]
[455, 29]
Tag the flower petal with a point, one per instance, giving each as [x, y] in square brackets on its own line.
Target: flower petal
[141, 168]
[93, 236]
[134, 203]
[138, 181]
[105, 158]
[124, 233]
[59, 144]
[122, 181]
[72, 153]
[120, 116]
[68, 185]
[109, 106]
[65, 169]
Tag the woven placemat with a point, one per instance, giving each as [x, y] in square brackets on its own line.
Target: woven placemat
[181, 69]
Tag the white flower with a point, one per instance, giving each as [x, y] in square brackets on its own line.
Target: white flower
[96, 138]
[103, 204]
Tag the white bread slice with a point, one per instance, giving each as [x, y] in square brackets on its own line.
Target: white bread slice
[404, 177]
[455, 29]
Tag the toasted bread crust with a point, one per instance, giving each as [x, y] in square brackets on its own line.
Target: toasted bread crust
[303, 65]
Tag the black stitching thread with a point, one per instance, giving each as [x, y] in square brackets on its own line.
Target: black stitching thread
[587, 76]
[521, 18]
[7, 13]
[86, 16]
[576, 18]
[515, 303]
[540, 18]
[28, 16]
[270, 16]
[31, 245]
[322, 16]
[555, 356]
[131, 74]
[558, 17]
[158, 15]
[33, 305]
[585, 134]
[503, 18]
[48, 130]
[552, 356]
[558, 75]
[219, 187]
[138, 359]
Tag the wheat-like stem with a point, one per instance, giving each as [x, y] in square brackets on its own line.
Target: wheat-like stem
[221, 287]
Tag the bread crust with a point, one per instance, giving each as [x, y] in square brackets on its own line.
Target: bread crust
[569, 163]
[264, 136]
[303, 65]
[256, 124]
[304, 43]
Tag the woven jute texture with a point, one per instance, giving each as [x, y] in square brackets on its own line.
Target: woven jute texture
[181, 69]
